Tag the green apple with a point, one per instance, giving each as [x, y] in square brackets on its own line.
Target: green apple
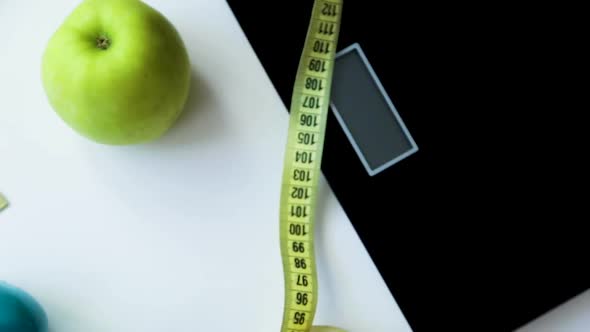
[117, 72]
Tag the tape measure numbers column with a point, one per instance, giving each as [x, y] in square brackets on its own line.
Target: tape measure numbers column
[302, 165]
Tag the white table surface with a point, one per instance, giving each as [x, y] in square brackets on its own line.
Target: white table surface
[177, 235]
[572, 316]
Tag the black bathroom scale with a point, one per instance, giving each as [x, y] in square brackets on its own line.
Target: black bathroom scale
[442, 217]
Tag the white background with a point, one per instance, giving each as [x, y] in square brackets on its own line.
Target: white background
[572, 316]
[181, 234]
[177, 235]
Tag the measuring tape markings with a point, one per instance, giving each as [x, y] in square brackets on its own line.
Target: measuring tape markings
[307, 124]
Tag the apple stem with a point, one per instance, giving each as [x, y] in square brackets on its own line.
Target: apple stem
[102, 42]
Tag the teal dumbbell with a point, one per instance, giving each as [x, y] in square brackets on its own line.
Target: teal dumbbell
[20, 312]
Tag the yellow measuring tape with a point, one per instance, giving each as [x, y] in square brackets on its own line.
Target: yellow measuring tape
[307, 125]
